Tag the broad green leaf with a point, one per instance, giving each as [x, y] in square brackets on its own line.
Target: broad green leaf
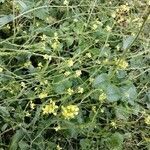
[113, 93]
[115, 141]
[60, 87]
[95, 52]
[122, 112]
[85, 144]
[5, 19]
[127, 41]
[129, 93]
[41, 14]
[101, 81]
[4, 112]
[69, 41]
[2, 1]
[121, 74]
[15, 140]
[23, 6]
[23, 145]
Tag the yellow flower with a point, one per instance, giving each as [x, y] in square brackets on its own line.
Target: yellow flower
[91, 80]
[78, 73]
[108, 28]
[114, 124]
[43, 38]
[106, 61]
[50, 108]
[99, 23]
[102, 110]
[70, 91]
[88, 55]
[40, 65]
[65, 2]
[42, 95]
[70, 63]
[8, 26]
[70, 111]
[58, 147]
[27, 114]
[102, 96]
[147, 120]
[80, 90]
[75, 20]
[94, 109]
[122, 64]
[67, 73]
[124, 7]
[23, 84]
[1, 69]
[95, 26]
[118, 47]
[57, 128]
[55, 45]
[113, 14]
[32, 105]
[27, 64]
[47, 57]
[56, 36]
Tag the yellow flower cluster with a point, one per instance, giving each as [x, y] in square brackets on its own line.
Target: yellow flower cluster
[42, 95]
[147, 120]
[88, 55]
[108, 28]
[70, 91]
[67, 73]
[102, 97]
[1, 69]
[80, 90]
[70, 111]
[121, 15]
[32, 105]
[55, 43]
[57, 128]
[122, 64]
[50, 108]
[114, 124]
[47, 57]
[78, 73]
[70, 63]
[96, 24]
[58, 147]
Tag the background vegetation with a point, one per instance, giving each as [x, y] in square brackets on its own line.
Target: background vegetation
[74, 75]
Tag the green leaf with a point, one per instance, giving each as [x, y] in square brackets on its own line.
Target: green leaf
[122, 112]
[2, 1]
[61, 86]
[69, 41]
[95, 52]
[127, 41]
[121, 74]
[129, 93]
[115, 141]
[85, 144]
[23, 145]
[23, 6]
[101, 81]
[5, 19]
[41, 14]
[4, 111]
[15, 140]
[113, 93]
